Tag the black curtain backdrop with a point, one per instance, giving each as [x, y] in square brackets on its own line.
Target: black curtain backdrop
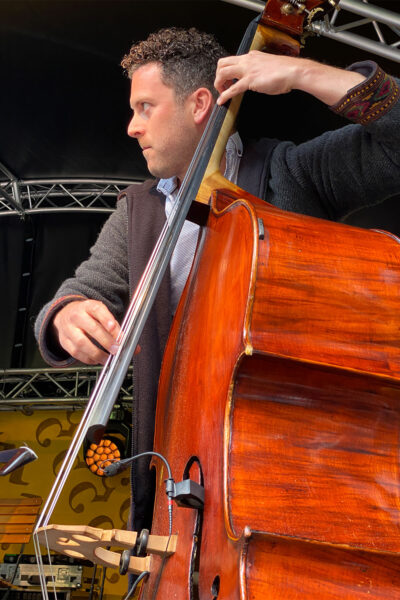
[31, 271]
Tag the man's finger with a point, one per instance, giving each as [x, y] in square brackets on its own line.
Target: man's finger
[101, 313]
[82, 349]
[235, 89]
[86, 326]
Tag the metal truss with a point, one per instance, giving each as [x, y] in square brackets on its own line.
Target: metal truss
[56, 195]
[381, 27]
[45, 389]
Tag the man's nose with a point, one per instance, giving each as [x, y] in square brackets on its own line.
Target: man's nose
[135, 127]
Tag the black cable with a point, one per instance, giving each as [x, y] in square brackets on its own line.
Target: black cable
[19, 558]
[136, 583]
[6, 593]
[102, 581]
[120, 465]
[92, 582]
[8, 590]
[160, 570]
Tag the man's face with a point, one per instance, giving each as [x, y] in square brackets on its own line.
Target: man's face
[163, 125]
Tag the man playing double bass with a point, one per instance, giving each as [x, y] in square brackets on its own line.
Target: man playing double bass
[172, 94]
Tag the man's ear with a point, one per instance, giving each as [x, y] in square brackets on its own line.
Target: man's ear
[201, 104]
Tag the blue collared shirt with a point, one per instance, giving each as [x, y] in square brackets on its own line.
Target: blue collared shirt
[183, 254]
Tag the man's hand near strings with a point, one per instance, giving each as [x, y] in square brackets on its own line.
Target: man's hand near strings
[80, 323]
[273, 74]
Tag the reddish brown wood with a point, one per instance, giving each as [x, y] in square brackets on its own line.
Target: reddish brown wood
[285, 384]
[323, 448]
[201, 377]
[328, 293]
[279, 568]
[274, 16]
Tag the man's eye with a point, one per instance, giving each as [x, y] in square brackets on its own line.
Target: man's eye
[145, 106]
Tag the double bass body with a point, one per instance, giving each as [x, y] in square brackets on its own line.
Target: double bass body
[280, 394]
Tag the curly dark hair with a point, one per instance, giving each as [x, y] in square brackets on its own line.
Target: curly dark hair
[188, 58]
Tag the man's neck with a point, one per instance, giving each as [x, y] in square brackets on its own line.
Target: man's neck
[234, 148]
[222, 168]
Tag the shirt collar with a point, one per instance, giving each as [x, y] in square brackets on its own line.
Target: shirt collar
[167, 186]
[235, 145]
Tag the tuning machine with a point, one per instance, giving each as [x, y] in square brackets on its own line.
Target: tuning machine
[293, 7]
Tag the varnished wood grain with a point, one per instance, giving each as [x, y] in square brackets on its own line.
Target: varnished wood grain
[192, 398]
[322, 448]
[285, 569]
[282, 376]
[328, 293]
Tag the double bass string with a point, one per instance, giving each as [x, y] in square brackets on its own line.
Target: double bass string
[106, 390]
[130, 332]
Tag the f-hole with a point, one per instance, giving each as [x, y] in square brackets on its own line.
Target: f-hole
[215, 587]
[194, 471]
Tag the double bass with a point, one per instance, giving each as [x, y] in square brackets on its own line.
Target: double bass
[278, 403]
